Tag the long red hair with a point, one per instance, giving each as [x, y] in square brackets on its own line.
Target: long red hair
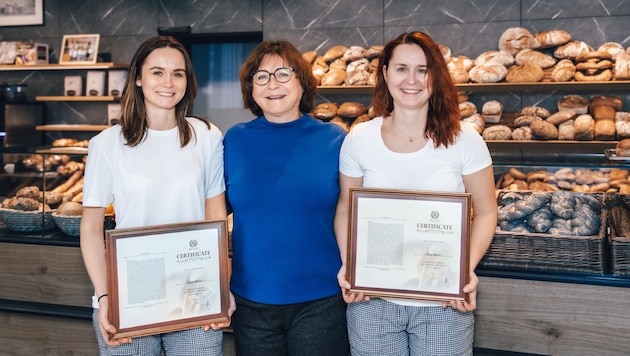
[443, 120]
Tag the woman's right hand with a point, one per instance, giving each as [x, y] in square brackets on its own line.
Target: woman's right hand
[345, 286]
[107, 328]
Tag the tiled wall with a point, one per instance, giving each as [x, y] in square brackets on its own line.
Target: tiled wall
[467, 27]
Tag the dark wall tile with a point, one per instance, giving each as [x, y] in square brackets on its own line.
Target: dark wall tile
[322, 40]
[556, 9]
[120, 18]
[212, 16]
[308, 15]
[403, 12]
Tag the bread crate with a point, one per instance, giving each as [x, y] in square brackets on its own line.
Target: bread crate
[618, 207]
[560, 251]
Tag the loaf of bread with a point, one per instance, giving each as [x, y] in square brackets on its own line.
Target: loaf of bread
[551, 38]
[310, 56]
[604, 130]
[466, 109]
[564, 71]
[584, 127]
[560, 117]
[373, 51]
[488, 73]
[566, 130]
[522, 134]
[613, 48]
[497, 132]
[492, 111]
[353, 53]
[333, 77]
[535, 57]
[536, 111]
[622, 124]
[524, 73]
[351, 109]
[334, 52]
[357, 72]
[622, 66]
[515, 39]
[543, 130]
[503, 58]
[70, 208]
[572, 49]
[325, 111]
[577, 103]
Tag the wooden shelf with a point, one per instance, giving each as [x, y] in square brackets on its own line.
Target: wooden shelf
[544, 86]
[63, 150]
[100, 65]
[108, 98]
[62, 127]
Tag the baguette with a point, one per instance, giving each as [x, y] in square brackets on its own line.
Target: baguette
[63, 187]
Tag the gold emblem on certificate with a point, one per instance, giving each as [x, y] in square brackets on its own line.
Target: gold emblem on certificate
[408, 244]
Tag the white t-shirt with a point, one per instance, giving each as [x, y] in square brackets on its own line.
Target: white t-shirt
[364, 154]
[156, 182]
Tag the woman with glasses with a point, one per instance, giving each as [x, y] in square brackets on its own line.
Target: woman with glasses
[281, 172]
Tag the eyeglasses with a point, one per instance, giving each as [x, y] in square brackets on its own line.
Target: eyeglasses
[282, 75]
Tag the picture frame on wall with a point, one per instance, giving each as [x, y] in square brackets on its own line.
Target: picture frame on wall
[79, 49]
[21, 13]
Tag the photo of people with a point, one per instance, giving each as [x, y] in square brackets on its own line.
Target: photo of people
[79, 49]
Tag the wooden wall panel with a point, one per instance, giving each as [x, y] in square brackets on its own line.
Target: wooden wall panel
[44, 274]
[552, 318]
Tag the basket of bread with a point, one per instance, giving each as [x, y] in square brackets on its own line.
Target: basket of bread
[29, 210]
[618, 206]
[556, 230]
[68, 218]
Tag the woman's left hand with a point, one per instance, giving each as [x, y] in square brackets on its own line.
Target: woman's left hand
[224, 324]
[471, 289]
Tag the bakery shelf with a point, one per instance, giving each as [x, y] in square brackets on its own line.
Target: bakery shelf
[544, 86]
[63, 150]
[77, 98]
[100, 65]
[62, 127]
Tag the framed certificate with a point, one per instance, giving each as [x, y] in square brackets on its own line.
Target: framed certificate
[409, 244]
[167, 277]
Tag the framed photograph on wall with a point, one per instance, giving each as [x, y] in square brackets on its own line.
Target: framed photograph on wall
[21, 13]
[79, 49]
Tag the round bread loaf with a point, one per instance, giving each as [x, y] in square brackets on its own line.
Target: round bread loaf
[563, 71]
[503, 58]
[536, 111]
[572, 49]
[460, 62]
[584, 127]
[467, 109]
[515, 39]
[622, 124]
[525, 120]
[488, 73]
[325, 111]
[544, 130]
[566, 130]
[70, 208]
[613, 48]
[538, 58]
[497, 132]
[351, 109]
[551, 38]
[333, 77]
[524, 73]
[459, 76]
[522, 134]
[353, 53]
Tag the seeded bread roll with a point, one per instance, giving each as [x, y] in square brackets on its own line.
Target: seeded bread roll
[543, 130]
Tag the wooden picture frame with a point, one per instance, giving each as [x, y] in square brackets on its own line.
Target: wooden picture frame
[166, 278]
[409, 244]
[22, 13]
[79, 49]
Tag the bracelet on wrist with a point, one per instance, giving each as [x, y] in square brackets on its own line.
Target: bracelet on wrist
[99, 298]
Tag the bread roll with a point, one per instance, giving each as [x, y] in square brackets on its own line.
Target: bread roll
[522, 134]
[461, 62]
[466, 109]
[538, 58]
[551, 38]
[475, 121]
[622, 66]
[373, 51]
[70, 208]
[325, 111]
[351, 109]
[525, 120]
[515, 39]
[445, 50]
[603, 112]
[560, 117]
[584, 127]
[338, 64]
[310, 56]
[488, 73]
[566, 130]
[613, 48]
[563, 71]
[459, 76]
[357, 72]
[524, 73]
[622, 149]
[353, 53]
[333, 77]
[334, 52]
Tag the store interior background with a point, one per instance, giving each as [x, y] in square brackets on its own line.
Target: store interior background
[468, 28]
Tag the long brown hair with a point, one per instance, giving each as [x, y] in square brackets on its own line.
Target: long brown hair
[134, 116]
[443, 121]
[293, 58]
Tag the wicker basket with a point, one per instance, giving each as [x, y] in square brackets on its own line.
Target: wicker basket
[618, 206]
[71, 225]
[27, 221]
[543, 252]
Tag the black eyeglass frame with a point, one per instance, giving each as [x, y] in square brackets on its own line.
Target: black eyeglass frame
[254, 76]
